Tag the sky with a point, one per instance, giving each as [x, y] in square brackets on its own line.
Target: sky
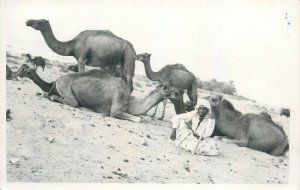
[254, 43]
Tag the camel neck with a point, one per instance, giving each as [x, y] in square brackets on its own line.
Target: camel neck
[154, 76]
[142, 106]
[61, 48]
[29, 58]
[45, 86]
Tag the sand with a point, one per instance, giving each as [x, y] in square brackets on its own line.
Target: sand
[51, 142]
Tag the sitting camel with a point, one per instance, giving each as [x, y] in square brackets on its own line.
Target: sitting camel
[98, 48]
[13, 75]
[177, 76]
[36, 61]
[97, 90]
[255, 131]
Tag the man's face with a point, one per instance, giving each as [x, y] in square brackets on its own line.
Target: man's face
[202, 111]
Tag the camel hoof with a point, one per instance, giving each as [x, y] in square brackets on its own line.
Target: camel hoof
[52, 98]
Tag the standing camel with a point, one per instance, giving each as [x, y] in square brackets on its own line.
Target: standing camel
[255, 131]
[98, 48]
[97, 90]
[176, 76]
[36, 61]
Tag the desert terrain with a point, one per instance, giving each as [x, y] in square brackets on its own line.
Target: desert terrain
[51, 142]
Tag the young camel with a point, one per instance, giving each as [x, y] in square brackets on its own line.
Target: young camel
[176, 76]
[36, 61]
[97, 90]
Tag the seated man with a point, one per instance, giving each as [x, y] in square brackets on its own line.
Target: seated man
[192, 130]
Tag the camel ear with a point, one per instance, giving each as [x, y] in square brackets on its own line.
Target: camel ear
[149, 54]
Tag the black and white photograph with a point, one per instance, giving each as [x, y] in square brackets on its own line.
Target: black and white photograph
[144, 94]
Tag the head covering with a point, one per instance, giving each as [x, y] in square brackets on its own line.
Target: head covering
[202, 103]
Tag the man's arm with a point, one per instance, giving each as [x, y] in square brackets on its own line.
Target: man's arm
[185, 117]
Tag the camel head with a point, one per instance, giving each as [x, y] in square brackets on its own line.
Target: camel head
[176, 93]
[143, 57]
[27, 72]
[28, 56]
[41, 24]
[214, 100]
[164, 90]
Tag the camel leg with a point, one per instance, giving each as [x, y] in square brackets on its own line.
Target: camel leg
[118, 108]
[127, 116]
[129, 65]
[56, 98]
[69, 101]
[178, 105]
[241, 142]
[165, 101]
[153, 115]
[81, 64]
[280, 149]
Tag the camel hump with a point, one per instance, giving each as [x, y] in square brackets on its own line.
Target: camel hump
[179, 67]
[266, 116]
[88, 33]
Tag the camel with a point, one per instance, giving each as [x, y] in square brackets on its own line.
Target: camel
[255, 131]
[97, 90]
[10, 75]
[98, 48]
[177, 76]
[36, 61]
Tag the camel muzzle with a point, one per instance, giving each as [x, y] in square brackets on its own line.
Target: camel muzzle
[28, 23]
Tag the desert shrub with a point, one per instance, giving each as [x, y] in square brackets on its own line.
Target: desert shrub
[216, 86]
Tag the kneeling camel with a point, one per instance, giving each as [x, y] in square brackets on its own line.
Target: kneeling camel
[255, 131]
[99, 91]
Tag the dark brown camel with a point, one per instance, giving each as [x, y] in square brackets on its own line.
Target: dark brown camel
[97, 90]
[98, 48]
[255, 131]
[36, 61]
[177, 76]
[14, 74]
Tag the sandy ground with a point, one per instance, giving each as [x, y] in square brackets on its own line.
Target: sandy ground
[51, 142]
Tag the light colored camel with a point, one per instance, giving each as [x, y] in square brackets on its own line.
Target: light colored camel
[177, 76]
[98, 48]
[36, 61]
[97, 90]
[14, 74]
[255, 131]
